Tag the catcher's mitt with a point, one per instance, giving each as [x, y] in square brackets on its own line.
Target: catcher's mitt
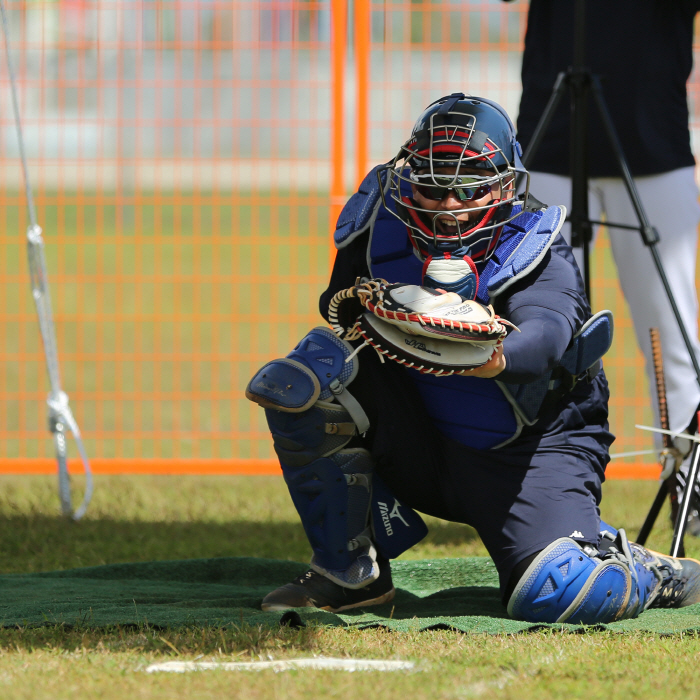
[433, 332]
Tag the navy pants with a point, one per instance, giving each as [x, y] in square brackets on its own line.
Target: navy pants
[520, 498]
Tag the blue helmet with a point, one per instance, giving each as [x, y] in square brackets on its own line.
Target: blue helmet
[454, 139]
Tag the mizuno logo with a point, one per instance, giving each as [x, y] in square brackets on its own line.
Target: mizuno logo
[387, 515]
[419, 346]
[395, 513]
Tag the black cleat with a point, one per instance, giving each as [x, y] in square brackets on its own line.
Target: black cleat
[313, 590]
[680, 584]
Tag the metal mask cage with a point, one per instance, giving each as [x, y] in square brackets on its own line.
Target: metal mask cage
[448, 146]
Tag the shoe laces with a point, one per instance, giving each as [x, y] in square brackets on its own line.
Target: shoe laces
[672, 585]
[306, 577]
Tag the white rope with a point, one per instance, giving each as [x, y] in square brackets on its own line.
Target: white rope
[355, 351]
[636, 453]
[60, 415]
[687, 436]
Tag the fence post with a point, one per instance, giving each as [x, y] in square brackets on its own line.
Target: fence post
[338, 33]
[362, 55]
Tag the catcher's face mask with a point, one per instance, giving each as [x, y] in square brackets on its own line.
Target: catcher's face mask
[459, 202]
[462, 155]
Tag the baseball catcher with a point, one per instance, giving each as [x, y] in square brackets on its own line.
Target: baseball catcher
[461, 377]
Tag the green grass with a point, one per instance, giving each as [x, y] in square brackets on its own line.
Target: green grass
[450, 666]
[160, 518]
[140, 518]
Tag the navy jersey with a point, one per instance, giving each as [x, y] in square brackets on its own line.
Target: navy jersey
[549, 305]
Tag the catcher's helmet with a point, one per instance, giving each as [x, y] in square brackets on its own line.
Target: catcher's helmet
[464, 134]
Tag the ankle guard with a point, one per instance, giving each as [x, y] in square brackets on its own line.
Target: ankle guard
[582, 585]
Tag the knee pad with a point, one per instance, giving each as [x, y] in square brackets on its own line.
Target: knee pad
[319, 368]
[584, 585]
[564, 583]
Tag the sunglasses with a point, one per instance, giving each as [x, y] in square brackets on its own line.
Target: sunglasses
[465, 187]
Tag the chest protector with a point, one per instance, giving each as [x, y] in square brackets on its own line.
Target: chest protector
[479, 413]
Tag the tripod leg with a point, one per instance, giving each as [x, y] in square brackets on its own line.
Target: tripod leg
[668, 487]
[649, 234]
[653, 514]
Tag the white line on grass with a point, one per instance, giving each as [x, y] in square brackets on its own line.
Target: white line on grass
[319, 664]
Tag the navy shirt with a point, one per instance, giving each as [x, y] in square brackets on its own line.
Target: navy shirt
[550, 305]
[642, 52]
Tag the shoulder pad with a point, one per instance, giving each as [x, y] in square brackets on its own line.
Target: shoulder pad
[584, 354]
[358, 212]
[519, 254]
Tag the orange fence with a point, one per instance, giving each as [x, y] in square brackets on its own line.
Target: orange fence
[188, 160]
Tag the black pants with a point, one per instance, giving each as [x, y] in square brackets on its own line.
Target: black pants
[519, 498]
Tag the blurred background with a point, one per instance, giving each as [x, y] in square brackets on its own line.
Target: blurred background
[189, 158]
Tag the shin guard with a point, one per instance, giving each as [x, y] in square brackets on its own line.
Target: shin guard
[312, 417]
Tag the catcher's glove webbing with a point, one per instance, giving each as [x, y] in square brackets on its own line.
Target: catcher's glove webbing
[433, 332]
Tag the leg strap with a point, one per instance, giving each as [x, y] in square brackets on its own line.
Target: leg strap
[300, 438]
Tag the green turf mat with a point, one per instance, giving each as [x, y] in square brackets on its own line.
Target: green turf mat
[460, 594]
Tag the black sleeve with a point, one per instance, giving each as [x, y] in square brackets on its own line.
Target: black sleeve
[548, 306]
[350, 263]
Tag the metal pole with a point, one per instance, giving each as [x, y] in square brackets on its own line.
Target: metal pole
[338, 45]
[682, 519]
[60, 416]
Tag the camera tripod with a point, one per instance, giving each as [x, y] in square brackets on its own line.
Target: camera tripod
[580, 83]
